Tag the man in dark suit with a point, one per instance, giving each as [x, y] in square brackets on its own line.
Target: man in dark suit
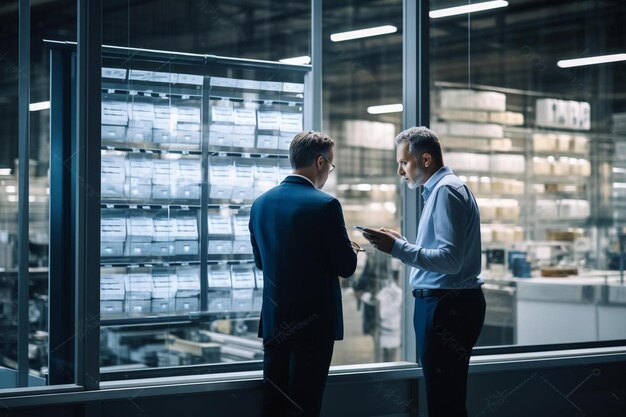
[300, 242]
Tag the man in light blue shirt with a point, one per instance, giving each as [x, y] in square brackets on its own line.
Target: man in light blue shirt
[445, 260]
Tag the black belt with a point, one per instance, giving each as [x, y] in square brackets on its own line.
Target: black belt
[440, 292]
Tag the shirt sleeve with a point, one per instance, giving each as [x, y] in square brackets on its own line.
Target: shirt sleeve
[450, 226]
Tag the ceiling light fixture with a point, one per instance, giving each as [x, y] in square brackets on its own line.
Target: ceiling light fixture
[385, 108]
[477, 7]
[42, 105]
[363, 33]
[297, 60]
[592, 60]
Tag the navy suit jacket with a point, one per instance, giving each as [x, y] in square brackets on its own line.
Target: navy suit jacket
[300, 242]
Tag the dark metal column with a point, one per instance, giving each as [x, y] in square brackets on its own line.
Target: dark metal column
[87, 204]
[416, 104]
[204, 200]
[23, 186]
[60, 283]
[313, 92]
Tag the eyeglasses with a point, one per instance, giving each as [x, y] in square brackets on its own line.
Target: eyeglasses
[332, 166]
[356, 247]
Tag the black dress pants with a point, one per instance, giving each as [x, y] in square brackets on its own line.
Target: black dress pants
[294, 377]
[446, 328]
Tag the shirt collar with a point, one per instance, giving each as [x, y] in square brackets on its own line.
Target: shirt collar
[434, 179]
[302, 176]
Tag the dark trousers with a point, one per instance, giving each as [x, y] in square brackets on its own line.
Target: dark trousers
[446, 329]
[294, 377]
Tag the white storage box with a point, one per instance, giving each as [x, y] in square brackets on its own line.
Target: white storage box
[219, 278]
[138, 286]
[220, 247]
[242, 247]
[480, 130]
[474, 100]
[515, 164]
[188, 281]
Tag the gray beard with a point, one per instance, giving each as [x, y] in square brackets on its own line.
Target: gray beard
[412, 184]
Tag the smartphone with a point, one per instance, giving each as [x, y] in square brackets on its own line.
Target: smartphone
[359, 228]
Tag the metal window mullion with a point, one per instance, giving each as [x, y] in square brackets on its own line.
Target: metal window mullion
[87, 181]
[204, 200]
[313, 79]
[60, 289]
[416, 112]
[23, 185]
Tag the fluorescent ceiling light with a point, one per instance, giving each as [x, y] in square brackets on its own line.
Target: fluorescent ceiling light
[602, 59]
[386, 108]
[42, 105]
[363, 33]
[470, 8]
[297, 60]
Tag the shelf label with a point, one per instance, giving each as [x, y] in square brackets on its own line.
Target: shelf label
[223, 113]
[132, 206]
[293, 88]
[140, 75]
[185, 97]
[268, 120]
[248, 84]
[223, 82]
[291, 122]
[110, 206]
[184, 207]
[245, 117]
[116, 73]
[161, 77]
[271, 86]
[145, 207]
[114, 113]
[190, 79]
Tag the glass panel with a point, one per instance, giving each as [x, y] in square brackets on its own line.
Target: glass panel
[53, 20]
[360, 74]
[9, 73]
[538, 141]
[188, 143]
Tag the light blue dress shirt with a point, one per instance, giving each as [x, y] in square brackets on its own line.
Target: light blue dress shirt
[447, 252]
